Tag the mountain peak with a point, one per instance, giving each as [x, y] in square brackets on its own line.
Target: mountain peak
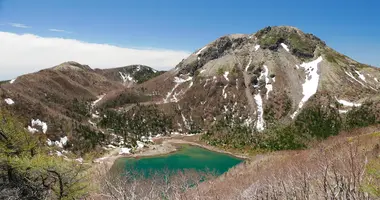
[71, 65]
[300, 44]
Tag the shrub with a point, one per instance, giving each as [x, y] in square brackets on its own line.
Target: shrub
[281, 138]
[79, 110]
[220, 71]
[319, 121]
[228, 132]
[28, 172]
[86, 139]
[362, 116]
[125, 98]
[139, 121]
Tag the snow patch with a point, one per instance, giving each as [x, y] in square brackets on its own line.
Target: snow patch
[203, 70]
[32, 130]
[124, 151]
[375, 79]
[92, 123]
[257, 47]
[268, 85]
[12, 81]
[62, 142]
[265, 74]
[225, 109]
[226, 75]
[207, 80]
[138, 68]
[97, 101]
[40, 123]
[140, 144]
[309, 88]
[249, 63]
[111, 146]
[260, 111]
[361, 76]
[49, 142]
[200, 51]
[224, 92]
[9, 101]
[353, 77]
[285, 47]
[126, 77]
[234, 107]
[347, 103]
[95, 116]
[185, 121]
[178, 81]
[343, 111]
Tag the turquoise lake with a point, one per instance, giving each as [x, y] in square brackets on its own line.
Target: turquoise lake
[186, 158]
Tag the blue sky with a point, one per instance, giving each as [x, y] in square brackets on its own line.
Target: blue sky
[351, 27]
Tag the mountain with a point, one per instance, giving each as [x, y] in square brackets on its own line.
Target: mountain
[262, 78]
[276, 89]
[52, 100]
[256, 80]
[130, 75]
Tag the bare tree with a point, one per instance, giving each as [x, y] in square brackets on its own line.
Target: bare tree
[164, 184]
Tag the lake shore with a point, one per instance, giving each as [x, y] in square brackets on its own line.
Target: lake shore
[161, 146]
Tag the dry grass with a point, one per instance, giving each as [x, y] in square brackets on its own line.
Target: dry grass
[333, 169]
[342, 167]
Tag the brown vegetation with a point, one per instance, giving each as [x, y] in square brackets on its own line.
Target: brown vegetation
[342, 167]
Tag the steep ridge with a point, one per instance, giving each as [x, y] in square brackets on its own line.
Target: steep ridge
[270, 75]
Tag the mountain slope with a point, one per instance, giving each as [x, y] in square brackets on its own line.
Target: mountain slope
[270, 75]
[55, 95]
[130, 75]
[256, 80]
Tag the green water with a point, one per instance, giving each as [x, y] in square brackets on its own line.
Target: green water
[187, 157]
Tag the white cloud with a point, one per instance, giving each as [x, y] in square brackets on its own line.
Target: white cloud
[27, 53]
[59, 30]
[17, 25]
